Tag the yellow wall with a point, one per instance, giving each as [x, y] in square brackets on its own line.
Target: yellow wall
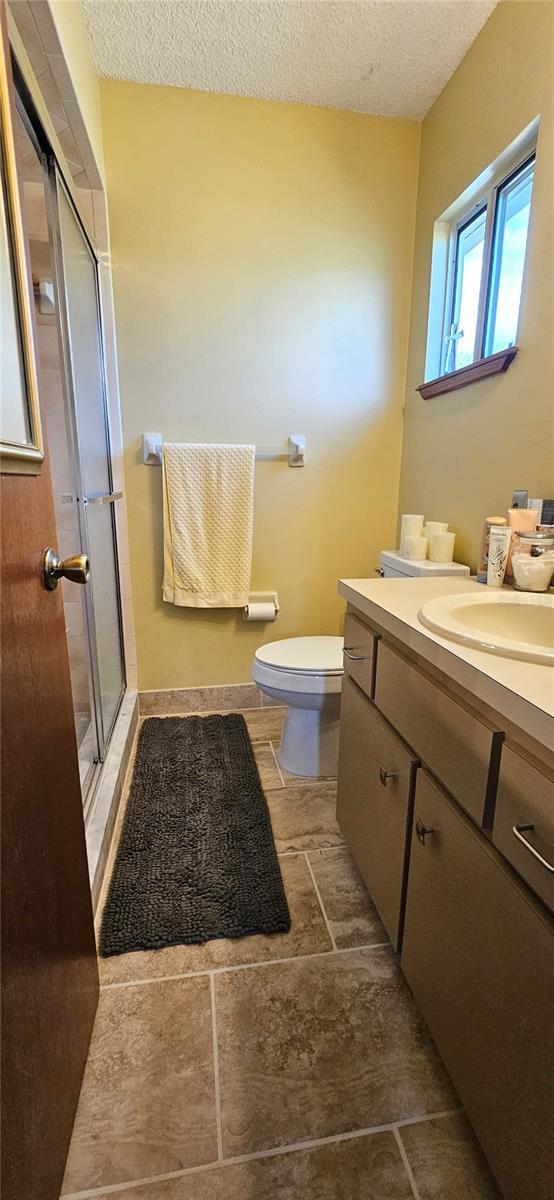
[464, 453]
[68, 19]
[262, 258]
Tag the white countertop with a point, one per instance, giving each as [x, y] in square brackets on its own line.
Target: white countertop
[523, 692]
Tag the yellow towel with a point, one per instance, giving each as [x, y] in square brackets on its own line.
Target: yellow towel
[208, 509]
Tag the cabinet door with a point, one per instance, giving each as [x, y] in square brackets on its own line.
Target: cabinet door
[374, 803]
[478, 955]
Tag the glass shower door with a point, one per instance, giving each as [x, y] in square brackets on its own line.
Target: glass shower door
[80, 315]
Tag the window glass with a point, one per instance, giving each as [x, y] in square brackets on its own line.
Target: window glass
[513, 209]
[460, 340]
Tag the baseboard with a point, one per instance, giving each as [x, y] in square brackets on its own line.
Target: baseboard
[175, 701]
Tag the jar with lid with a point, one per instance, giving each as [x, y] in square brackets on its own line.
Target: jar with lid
[533, 561]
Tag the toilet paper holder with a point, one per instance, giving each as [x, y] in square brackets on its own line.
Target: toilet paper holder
[258, 602]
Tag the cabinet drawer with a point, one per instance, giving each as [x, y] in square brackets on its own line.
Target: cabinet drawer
[359, 653]
[478, 955]
[374, 803]
[525, 807]
[457, 746]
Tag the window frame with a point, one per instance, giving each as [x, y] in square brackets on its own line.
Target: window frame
[457, 229]
[487, 199]
[495, 264]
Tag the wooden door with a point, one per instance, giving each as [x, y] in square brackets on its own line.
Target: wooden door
[49, 972]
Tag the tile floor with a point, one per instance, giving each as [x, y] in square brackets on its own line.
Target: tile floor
[292, 1067]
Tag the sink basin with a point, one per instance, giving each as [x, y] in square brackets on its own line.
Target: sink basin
[512, 624]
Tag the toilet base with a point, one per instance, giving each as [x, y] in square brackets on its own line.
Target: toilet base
[310, 740]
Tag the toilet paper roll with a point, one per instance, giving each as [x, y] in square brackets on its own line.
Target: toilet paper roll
[259, 612]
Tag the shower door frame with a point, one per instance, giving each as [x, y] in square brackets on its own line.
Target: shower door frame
[55, 183]
[54, 179]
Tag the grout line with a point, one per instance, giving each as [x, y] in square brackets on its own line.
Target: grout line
[248, 966]
[216, 1072]
[318, 894]
[273, 1152]
[279, 771]
[407, 1167]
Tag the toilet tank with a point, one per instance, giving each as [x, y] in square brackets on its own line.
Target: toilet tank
[393, 565]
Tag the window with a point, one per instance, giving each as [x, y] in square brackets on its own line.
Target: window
[459, 341]
[486, 272]
[477, 269]
[513, 209]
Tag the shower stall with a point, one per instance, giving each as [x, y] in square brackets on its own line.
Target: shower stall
[72, 388]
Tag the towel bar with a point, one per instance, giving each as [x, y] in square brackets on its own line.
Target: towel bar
[295, 454]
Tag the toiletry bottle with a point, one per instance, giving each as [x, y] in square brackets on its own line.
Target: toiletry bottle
[520, 520]
[484, 551]
[499, 546]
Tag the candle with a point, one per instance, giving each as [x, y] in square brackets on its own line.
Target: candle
[435, 527]
[441, 547]
[410, 526]
[415, 546]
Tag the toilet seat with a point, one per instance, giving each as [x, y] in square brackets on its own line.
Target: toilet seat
[312, 665]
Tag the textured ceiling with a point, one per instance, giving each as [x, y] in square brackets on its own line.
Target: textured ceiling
[390, 57]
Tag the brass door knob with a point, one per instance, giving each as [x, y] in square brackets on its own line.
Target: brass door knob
[76, 568]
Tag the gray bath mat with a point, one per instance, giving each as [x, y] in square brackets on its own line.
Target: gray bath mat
[196, 859]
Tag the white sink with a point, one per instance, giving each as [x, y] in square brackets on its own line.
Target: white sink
[512, 624]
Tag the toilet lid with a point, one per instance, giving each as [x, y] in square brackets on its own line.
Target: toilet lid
[307, 655]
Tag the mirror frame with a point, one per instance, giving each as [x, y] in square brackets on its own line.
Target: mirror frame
[21, 458]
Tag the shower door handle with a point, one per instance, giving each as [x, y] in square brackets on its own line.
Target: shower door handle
[76, 568]
[105, 498]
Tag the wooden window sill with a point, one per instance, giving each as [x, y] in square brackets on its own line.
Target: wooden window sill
[492, 365]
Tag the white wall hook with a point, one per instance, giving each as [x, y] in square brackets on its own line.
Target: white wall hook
[297, 450]
[152, 448]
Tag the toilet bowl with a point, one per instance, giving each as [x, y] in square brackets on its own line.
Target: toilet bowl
[305, 675]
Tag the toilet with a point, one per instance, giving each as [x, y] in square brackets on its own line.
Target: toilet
[305, 675]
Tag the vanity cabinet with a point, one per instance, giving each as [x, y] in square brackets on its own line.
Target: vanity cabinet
[451, 823]
[374, 803]
[477, 953]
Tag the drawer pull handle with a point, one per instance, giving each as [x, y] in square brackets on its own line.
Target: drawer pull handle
[354, 657]
[423, 831]
[385, 775]
[518, 831]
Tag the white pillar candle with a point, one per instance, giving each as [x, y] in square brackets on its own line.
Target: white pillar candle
[434, 527]
[441, 547]
[415, 547]
[411, 526]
